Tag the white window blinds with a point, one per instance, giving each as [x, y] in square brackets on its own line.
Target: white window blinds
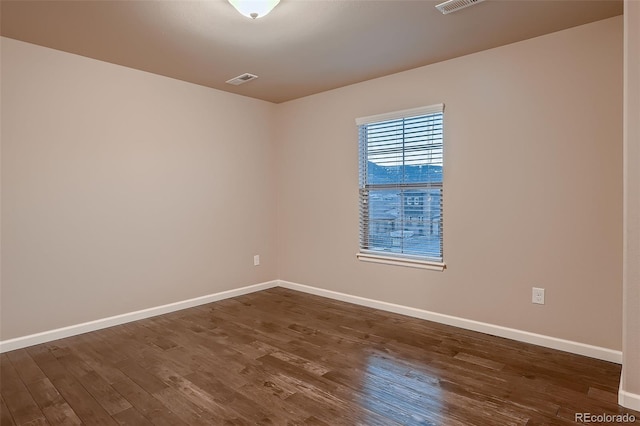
[401, 159]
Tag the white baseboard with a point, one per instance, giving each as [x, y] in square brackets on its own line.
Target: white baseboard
[495, 330]
[73, 330]
[629, 400]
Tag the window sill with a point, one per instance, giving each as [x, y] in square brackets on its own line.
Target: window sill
[399, 261]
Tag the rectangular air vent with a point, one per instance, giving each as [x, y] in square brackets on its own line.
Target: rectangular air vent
[241, 79]
[454, 5]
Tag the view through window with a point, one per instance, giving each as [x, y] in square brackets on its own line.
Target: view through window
[401, 159]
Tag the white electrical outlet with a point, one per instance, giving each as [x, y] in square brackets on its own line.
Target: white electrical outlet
[256, 260]
[537, 296]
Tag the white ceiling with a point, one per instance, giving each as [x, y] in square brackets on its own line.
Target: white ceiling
[302, 47]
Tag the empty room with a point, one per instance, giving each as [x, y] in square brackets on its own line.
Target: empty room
[320, 212]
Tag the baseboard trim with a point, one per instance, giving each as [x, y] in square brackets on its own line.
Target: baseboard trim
[629, 400]
[495, 330]
[73, 330]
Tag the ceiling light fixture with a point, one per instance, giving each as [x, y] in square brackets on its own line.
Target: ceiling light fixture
[254, 8]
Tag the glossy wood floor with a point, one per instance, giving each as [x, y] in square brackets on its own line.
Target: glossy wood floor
[280, 357]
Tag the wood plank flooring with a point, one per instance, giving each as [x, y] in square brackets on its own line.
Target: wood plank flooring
[279, 357]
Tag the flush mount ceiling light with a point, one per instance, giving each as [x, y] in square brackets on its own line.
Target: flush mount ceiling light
[254, 8]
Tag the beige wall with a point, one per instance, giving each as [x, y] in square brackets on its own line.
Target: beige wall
[533, 186]
[631, 323]
[124, 190]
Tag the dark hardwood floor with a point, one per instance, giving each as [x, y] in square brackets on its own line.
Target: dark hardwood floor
[280, 357]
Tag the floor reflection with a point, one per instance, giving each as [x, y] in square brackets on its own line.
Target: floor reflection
[401, 390]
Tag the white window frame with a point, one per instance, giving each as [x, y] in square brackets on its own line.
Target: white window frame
[398, 259]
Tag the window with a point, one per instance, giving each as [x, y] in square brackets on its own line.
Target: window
[401, 159]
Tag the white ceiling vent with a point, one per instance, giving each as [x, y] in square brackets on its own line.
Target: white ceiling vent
[241, 79]
[455, 5]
